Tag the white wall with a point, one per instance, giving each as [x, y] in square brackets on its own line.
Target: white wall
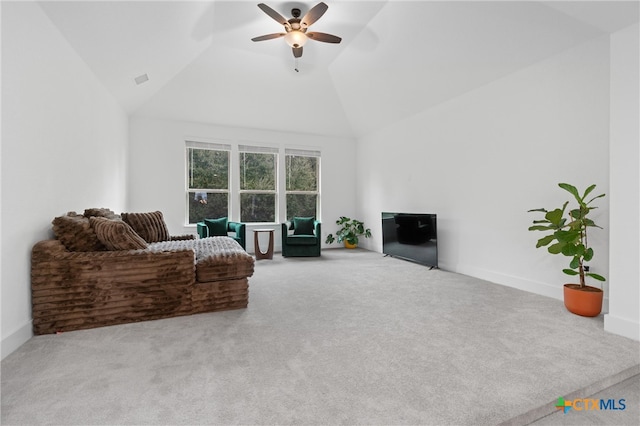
[481, 160]
[64, 144]
[624, 299]
[157, 168]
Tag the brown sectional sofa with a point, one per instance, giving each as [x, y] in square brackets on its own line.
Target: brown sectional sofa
[78, 283]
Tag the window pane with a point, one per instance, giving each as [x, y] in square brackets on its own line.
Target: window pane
[257, 171]
[301, 205]
[257, 207]
[208, 169]
[207, 205]
[302, 173]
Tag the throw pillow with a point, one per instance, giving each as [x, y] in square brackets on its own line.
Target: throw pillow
[75, 233]
[116, 234]
[101, 212]
[217, 227]
[303, 225]
[150, 226]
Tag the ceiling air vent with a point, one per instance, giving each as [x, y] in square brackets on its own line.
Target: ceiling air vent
[141, 79]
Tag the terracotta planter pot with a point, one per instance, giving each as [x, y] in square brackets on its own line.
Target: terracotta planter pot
[349, 245]
[586, 301]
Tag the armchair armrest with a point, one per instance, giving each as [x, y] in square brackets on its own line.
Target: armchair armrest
[240, 230]
[237, 227]
[203, 230]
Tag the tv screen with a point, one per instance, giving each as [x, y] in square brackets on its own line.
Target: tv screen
[411, 236]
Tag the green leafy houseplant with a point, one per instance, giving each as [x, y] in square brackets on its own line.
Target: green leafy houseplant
[349, 231]
[568, 232]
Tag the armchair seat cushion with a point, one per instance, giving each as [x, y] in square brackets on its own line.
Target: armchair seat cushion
[302, 240]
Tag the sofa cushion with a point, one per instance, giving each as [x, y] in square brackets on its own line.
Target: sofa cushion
[216, 258]
[75, 233]
[150, 226]
[217, 227]
[302, 240]
[116, 234]
[303, 225]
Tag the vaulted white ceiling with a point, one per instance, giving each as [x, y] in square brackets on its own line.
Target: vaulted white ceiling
[396, 58]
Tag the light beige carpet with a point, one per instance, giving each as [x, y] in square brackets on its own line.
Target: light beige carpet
[349, 338]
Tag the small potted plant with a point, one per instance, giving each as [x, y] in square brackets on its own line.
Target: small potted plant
[349, 232]
[568, 236]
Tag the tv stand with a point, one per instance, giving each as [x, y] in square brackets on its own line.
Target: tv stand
[411, 260]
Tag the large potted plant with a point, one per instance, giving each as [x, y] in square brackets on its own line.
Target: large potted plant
[568, 236]
[350, 230]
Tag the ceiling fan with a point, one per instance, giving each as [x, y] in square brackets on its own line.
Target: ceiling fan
[296, 34]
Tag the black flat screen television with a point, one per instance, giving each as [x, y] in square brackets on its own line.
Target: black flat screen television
[411, 236]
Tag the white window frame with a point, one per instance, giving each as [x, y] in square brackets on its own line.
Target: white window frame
[235, 150]
[260, 149]
[303, 153]
[213, 146]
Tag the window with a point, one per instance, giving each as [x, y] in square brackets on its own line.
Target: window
[302, 183]
[258, 183]
[207, 181]
[246, 184]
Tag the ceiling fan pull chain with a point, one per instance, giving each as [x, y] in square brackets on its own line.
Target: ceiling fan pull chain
[296, 65]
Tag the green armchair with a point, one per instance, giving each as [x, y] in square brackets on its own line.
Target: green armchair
[304, 242]
[213, 227]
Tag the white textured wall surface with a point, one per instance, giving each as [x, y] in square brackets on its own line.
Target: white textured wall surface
[481, 160]
[624, 298]
[158, 170]
[64, 147]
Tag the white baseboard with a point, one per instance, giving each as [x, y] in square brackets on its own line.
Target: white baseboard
[531, 286]
[16, 339]
[622, 327]
[536, 287]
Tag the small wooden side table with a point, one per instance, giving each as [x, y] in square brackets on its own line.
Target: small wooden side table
[259, 253]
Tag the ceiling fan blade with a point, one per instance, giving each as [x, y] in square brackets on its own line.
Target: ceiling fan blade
[275, 15]
[314, 14]
[297, 52]
[268, 37]
[327, 38]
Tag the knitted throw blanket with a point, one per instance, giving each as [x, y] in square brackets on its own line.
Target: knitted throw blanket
[216, 258]
[211, 249]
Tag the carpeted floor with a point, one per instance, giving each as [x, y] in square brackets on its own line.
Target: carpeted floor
[349, 338]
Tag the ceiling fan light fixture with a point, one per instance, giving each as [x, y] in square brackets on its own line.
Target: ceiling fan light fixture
[295, 38]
